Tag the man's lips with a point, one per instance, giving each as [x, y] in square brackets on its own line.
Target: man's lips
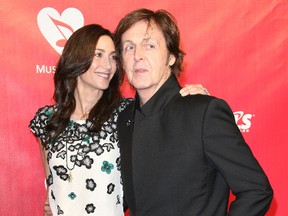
[140, 70]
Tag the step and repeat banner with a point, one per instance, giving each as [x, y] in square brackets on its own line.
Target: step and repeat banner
[237, 49]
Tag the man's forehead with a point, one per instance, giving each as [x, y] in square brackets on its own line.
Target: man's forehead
[144, 30]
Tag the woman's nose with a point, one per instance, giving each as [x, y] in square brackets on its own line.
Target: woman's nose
[106, 63]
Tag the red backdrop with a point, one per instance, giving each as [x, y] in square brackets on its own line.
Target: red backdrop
[237, 49]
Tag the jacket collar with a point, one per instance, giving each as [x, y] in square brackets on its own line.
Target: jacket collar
[160, 99]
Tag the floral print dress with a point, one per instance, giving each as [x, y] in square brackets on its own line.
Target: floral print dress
[84, 167]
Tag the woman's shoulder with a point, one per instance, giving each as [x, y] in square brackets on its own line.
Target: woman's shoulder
[39, 122]
[47, 110]
[126, 100]
[42, 115]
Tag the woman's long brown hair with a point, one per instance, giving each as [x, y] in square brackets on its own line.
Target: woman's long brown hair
[75, 60]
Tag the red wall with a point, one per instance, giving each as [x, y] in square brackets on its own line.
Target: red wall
[237, 49]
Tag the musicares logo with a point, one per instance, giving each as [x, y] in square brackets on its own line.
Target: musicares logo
[243, 121]
[58, 28]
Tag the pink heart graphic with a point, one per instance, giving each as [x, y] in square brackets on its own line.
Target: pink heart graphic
[58, 28]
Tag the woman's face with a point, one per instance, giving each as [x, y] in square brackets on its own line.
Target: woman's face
[103, 66]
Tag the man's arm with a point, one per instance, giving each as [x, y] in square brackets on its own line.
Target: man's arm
[228, 152]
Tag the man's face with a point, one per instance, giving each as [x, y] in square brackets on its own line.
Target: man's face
[146, 59]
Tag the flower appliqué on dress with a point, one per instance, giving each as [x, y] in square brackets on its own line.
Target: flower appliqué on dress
[107, 167]
[110, 188]
[90, 184]
[61, 171]
[59, 210]
[72, 195]
[90, 208]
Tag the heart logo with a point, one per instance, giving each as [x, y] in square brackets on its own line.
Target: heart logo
[58, 28]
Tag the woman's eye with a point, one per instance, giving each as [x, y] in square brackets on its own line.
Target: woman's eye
[98, 55]
[114, 57]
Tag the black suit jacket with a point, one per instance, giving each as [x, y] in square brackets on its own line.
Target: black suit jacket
[182, 155]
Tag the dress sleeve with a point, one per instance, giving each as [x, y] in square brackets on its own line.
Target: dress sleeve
[39, 122]
[230, 155]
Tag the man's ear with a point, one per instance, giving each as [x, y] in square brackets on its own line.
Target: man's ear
[172, 60]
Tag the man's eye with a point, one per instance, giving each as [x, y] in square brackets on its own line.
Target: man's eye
[128, 48]
[151, 46]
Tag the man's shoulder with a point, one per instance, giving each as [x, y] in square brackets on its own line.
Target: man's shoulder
[194, 102]
[189, 100]
[199, 104]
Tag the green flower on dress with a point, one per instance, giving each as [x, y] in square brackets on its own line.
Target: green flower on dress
[107, 167]
[49, 112]
[72, 195]
[87, 139]
[71, 123]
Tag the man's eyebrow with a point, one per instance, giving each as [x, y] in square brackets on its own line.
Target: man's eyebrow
[127, 41]
[146, 39]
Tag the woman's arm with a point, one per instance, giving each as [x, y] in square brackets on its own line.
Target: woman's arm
[43, 154]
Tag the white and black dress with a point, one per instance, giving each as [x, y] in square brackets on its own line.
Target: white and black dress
[84, 166]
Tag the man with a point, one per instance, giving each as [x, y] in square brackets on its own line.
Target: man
[179, 155]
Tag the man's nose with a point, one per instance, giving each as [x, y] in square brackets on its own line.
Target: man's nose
[139, 54]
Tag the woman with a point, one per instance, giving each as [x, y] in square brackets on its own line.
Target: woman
[78, 136]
